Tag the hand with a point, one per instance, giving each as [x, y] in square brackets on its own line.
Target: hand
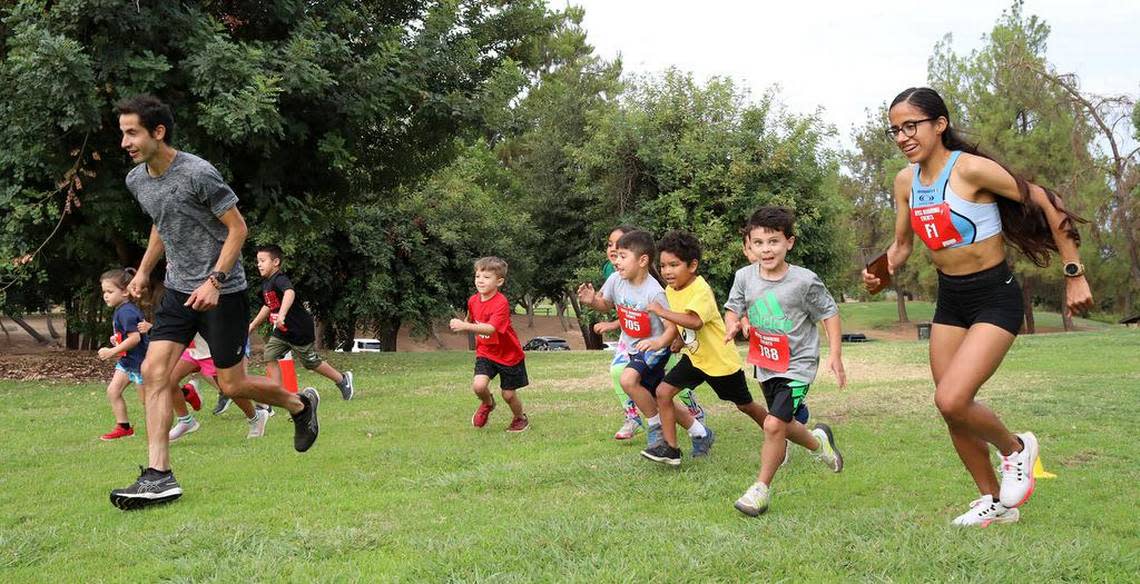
[586, 293]
[1078, 297]
[871, 281]
[731, 330]
[654, 308]
[604, 327]
[457, 325]
[144, 327]
[745, 326]
[204, 298]
[138, 285]
[835, 364]
[646, 346]
[106, 353]
[279, 322]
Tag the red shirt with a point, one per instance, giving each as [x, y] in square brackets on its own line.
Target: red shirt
[502, 346]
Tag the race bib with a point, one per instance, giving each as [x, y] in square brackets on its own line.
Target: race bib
[273, 318]
[933, 226]
[119, 341]
[768, 350]
[634, 323]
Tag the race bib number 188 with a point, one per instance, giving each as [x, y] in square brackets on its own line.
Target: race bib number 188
[768, 350]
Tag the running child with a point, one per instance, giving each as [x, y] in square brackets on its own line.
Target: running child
[633, 422]
[705, 357]
[128, 348]
[644, 337]
[783, 303]
[293, 327]
[498, 351]
[196, 358]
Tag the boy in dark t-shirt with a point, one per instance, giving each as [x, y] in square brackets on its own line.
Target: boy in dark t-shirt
[497, 348]
[291, 323]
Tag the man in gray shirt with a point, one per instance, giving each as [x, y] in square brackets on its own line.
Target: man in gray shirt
[198, 227]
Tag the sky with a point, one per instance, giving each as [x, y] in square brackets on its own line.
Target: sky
[848, 57]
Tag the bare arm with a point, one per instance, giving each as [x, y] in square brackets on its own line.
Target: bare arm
[262, 315]
[687, 319]
[900, 249]
[235, 238]
[154, 252]
[835, 349]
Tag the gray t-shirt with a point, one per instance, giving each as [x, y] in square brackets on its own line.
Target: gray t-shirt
[185, 204]
[624, 294]
[791, 307]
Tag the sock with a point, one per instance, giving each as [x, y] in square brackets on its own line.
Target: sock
[188, 418]
[655, 420]
[698, 430]
[125, 425]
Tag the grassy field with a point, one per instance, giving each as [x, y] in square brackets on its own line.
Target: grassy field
[401, 488]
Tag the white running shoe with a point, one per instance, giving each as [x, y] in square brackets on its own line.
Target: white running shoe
[828, 452]
[628, 429]
[257, 423]
[754, 501]
[985, 511]
[181, 429]
[1017, 480]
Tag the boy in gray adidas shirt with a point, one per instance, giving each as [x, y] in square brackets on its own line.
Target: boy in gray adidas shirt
[777, 306]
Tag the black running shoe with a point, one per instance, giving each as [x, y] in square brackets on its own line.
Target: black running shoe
[223, 404]
[663, 453]
[305, 426]
[152, 488]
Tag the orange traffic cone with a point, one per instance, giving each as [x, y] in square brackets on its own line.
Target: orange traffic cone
[288, 372]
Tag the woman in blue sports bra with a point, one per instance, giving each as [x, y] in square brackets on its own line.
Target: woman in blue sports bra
[965, 207]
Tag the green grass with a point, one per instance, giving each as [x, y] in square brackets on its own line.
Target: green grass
[864, 316]
[400, 487]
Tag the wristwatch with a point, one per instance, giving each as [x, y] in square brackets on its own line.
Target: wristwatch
[1074, 269]
[218, 278]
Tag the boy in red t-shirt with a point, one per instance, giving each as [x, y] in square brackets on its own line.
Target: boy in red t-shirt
[497, 347]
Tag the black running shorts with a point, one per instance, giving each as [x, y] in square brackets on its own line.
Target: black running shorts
[225, 327]
[992, 296]
[733, 388]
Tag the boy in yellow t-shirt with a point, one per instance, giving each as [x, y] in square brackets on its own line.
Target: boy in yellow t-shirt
[705, 358]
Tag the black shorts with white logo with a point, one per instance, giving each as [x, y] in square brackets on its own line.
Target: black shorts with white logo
[733, 388]
[225, 327]
[992, 296]
[511, 377]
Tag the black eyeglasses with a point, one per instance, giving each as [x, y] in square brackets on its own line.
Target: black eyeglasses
[908, 128]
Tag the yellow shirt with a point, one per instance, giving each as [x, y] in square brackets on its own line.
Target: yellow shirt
[705, 347]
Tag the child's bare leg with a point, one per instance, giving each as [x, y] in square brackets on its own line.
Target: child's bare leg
[119, 382]
[330, 372]
[481, 385]
[631, 384]
[665, 395]
[511, 397]
[772, 452]
[755, 411]
[799, 434]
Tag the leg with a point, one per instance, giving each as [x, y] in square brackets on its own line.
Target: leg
[961, 362]
[665, 395]
[236, 382]
[161, 356]
[119, 382]
[245, 406]
[689, 398]
[631, 384]
[181, 370]
[273, 371]
[627, 405]
[330, 372]
[798, 433]
[755, 411]
[511, 397]
[481, 385]
[772, 452]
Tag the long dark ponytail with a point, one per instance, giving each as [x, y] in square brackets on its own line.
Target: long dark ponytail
[1024, 223]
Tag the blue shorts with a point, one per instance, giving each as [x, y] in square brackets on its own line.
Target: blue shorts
[134, 376]
[651, 367]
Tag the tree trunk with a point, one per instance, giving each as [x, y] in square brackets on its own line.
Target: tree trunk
[28, 329]
[51, 326]
[900, 301]
[435, 337]
[529, 305]
[593, 340]
[560, 304]
[319, 334]
[388, 334]
[70, 333]
[7, 337]
[1027, 298]
[1066, 316]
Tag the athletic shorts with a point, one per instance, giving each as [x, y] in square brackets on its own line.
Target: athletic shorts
[784, 396]
[511, 377]
[733, 388]
[205, 366]
[225, 327]
[992, 296]
[651, 368]
[276, 347]
[133, 375]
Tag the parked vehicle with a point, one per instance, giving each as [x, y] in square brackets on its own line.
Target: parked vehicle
[546, 344]
[363, 346]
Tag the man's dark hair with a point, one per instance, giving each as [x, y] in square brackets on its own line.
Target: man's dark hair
[774, 218]
[152, 113]
[273, 250]
[682, 244]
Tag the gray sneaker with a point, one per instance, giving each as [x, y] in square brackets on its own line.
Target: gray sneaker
[223, 403]
[257, 423]
[151, 488]
[701, 446]
[347, 389]
[305, 426]
[653, 435]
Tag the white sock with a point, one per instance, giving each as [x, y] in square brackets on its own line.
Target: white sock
[655, 420]
[697, 430]
[187, 419]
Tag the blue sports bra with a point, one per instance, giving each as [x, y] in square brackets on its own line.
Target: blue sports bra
[969, 222]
